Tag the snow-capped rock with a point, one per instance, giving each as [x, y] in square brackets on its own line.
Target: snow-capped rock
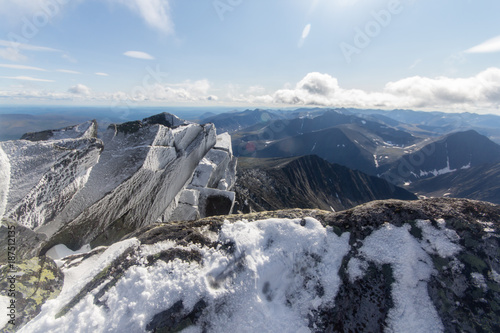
[79, 189]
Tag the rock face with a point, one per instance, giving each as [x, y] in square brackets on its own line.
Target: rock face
[79, 189]
[393, 266]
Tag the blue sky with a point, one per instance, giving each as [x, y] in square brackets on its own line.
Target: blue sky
[419, 54]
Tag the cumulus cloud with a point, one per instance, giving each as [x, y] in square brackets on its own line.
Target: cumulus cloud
[79, 89]
[138, 55]
[479, 92]
[490, 46]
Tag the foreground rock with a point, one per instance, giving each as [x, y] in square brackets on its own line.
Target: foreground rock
[394, 266]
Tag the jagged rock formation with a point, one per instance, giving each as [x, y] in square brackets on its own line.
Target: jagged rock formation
[79, 189]
[307, 182]
[393, 266]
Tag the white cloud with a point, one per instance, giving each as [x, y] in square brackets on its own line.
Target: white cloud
[305, 34]
[102, 74]
[306, 31]
[67, 71]
[415, 64]
[11, 66]
[11, 54]
[69, 58]
[490, 46]
[138, 55]
[480, 92]
[156, 13]
[12, 50]
[185, 92]
[26, 47]
[79, 89]
[178, 92]
[25, 78]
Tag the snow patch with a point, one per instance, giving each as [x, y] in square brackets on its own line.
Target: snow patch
[479, 281]
[356, 269]
[4, 303]
[412, 266]
[61, 251]
[440, 241]
[4, 181]
[268, 284]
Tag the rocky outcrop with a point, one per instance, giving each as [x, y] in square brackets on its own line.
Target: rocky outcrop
[79, 189]
[394, 266]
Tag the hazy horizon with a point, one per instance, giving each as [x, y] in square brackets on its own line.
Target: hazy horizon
[383, 54]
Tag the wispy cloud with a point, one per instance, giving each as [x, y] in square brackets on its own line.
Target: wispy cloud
[12, 50]
[12, 66]
[415, 64]
[156, 13]
[102, 74]
[138, 55]
[27, 47]
[25, 78]
[67, 71]
[305, 34]
[12, 54]
[490, 46]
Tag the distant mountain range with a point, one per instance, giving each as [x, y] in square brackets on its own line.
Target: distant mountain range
[401, 146]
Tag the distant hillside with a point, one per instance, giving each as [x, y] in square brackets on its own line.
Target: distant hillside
[306, 182]
[457, 151]
[478, 183]
[233, 121]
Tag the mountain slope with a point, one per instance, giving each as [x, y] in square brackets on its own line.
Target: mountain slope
[449, 153]
[478, 183]
[233, 121]
[415, 266]
[306, 182]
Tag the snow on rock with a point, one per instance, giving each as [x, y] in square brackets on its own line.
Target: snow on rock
[224, 143]
[61, 251]
[71, 185]
[4, 304]
[4, 181]
[412, 268]
[211, 183]
[85, 130]
[45, 176]
[271, 282]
